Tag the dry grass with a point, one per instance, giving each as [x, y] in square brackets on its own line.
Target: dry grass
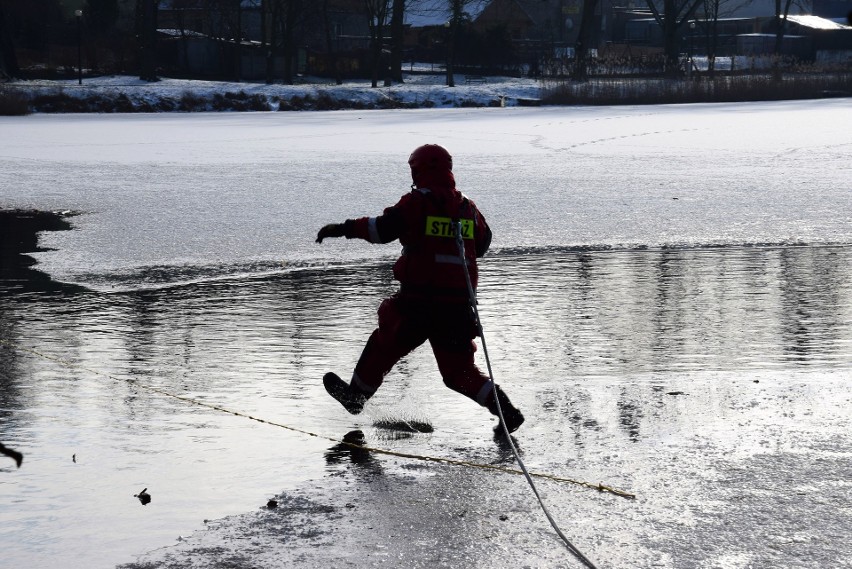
[738, 88]
[13, 103]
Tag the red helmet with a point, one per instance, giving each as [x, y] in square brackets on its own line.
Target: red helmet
[430, 157]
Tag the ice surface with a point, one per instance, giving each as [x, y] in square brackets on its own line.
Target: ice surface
[648, 305]
[251, 189]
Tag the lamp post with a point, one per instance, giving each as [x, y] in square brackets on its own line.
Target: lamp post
[79, 15]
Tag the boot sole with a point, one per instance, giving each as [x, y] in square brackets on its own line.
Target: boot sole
[342, 393]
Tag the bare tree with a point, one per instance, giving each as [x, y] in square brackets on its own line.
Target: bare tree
[146, 35]
[397, 25]
[269, 15]
[672, 19]
[281, 19]
[459, 18]
[581, 49]
[100, 17]
[238, 40]
[293, 14]
[714, 10]
[330, 37]
[457, 15]
[226, 24]
[782, 10]
[378, 12]
[179, 7]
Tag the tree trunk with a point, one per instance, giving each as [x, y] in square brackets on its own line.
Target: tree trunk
[675, 15]
[671, 44]
[238, 42]
[377, 12]
[271, 16]
[330, 44]
[146, 13]
[456, 14]
[376, 56]
[781, 25]
[581, 49]
[397, 39]
[289, 54]
[711, 33]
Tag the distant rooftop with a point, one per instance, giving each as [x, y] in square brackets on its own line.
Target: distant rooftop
[817, 23]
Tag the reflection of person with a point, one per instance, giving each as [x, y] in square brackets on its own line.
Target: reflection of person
[433, 301]
[352, 448]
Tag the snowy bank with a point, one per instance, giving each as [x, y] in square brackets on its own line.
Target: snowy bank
[131, 94]
[125, 94]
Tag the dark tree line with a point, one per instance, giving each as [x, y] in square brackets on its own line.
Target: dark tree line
[34, 26]
[49, 29]
[673, 17]
[125, 31]
[24, 24]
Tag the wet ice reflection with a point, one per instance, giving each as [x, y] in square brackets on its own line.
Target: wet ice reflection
[672, 310]
[613, 356]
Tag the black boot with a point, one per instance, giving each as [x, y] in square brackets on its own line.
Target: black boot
[351, 398]
[514, 418]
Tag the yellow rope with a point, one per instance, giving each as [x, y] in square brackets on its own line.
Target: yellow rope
[185, 399]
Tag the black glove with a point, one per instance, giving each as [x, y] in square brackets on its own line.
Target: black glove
[331, 230]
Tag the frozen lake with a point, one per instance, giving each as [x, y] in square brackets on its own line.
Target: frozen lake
[246, 190]
[668, 300]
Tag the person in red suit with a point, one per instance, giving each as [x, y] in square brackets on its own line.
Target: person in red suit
[433, 301]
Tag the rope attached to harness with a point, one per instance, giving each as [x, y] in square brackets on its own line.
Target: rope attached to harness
[577, 553]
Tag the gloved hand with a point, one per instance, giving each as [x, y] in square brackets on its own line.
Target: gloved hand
[331, 230]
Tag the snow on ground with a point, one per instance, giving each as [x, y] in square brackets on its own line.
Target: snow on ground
[418, 89]
[424, 86]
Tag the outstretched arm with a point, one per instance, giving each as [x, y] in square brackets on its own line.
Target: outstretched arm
[382, 229]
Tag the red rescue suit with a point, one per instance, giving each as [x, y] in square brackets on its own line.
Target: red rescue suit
[433, 301]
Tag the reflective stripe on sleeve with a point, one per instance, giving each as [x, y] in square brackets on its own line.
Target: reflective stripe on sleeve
[373, 230]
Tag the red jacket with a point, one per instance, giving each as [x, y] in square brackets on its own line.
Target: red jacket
[423, 221]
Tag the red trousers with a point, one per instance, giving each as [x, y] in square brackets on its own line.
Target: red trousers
[406, 323]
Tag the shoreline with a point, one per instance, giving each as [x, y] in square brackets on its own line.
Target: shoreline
[128, 94]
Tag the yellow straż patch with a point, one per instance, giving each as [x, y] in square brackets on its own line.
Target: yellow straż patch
[437, 226]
